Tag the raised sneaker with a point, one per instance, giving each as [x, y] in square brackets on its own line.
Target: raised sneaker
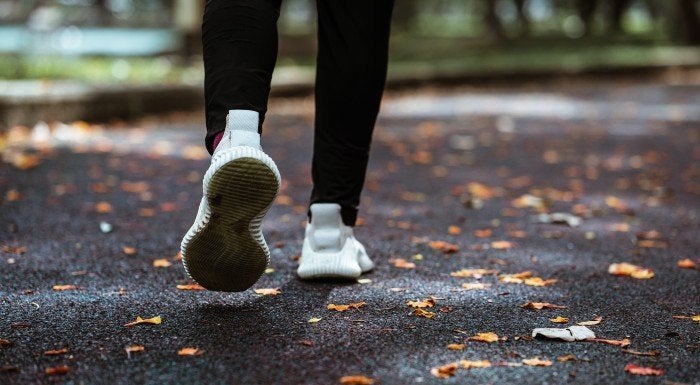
[330, 249]
[224, 250]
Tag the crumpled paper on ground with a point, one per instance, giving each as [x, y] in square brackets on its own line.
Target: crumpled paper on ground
[572, 333]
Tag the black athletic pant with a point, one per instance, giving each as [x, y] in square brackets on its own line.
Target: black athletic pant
[240, 50]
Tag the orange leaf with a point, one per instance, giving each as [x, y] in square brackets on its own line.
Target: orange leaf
[621, 343]
[430, 302]
[559, 320]
[643, 370]
[128, 250]
[356, 380]
[64, 287]
[541, 305]
[537, 362]
[190, 352]
[455, 346]
[454, 230]
[56, 352]
[444, 371]
[483, 233]
[695, 318]
[103, 207]
[355, 305]
[476, 273]
[687, 263]
[474, 364]
[14, 250]
[134, 349]
[149, 321]
[193, 286]
[595, 321]
[418, 312]
[568, 357]
[515, 278]
[267, 291]
[445, 247]
[402, 263]
[62, 369]
[484, 337]
[501, 245]
[162, 262]
[631, 270]
[539, 282]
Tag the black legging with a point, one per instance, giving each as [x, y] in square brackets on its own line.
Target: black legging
[240, 50]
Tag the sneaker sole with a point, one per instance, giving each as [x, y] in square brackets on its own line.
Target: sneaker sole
[227, 252]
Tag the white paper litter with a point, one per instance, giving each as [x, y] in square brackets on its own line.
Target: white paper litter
[572, 333]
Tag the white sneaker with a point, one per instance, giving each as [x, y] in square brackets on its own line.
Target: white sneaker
[224, 249]
[330, 249]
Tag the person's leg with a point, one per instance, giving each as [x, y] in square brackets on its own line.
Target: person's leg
[225, 249]
[353, 41]
[239, 39]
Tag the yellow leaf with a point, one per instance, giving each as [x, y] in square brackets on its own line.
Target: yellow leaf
[356, 380]
[515, 278]
[150, 321]
[193, 286]
[430, 302]
[314, 320]
[631, 270]
[559, 320]
[444, 371]
[355, 305]
[418, 312]
[474, 364]
[484, 337]
[539, 282]
[596, 321]
[537, 362]
[475, 273]
[190, 352]
[268, 291]
[455, 346]
[541, 305]
[162, 262]
[64, 287]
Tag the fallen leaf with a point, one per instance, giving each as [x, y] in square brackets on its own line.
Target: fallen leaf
[19, 250]
[62, 369]
[128, 250]
[465, 364]
[621, 343]
[356, 380]
[150, 321]
[483, 233]
[455, 346]
[559, 320]
[103, 207]
[475, 273]
[631, 270]
[162, 262]
[484, 337]
[572, 333]
[559, 218]
[528, 201]
[56, 352]
[454, 230]
[541, 305]
[515, 278]
[356, 305]
[134, 349]
[268, 291]
[643, 370]
[687, 263]
[695, 318]
[402, 263]
[314, 320]
[475, 286]
[192, 286]
[568, 357]
[444, 371]
[536, 361]
[501, 245]
[429, 302]
[5, 343]
[418, 312]
[64, 287]
[445, 247]
[652, 353]
[190, 352]
[595, 321]
[539, 282]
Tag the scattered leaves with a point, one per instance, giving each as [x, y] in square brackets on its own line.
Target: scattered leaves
[536, 361]
[541, 305]
[485, 337]
[568, 357]
[643, 370]
[314, 320]
[621, 343]
[189, 351]
[402, 263]
[652, 353]
[149, 321]
[418, 312]
[268, 291]
[356, 380]
[56, 370]
[429, 302]
[355, 305]
[465, 364]
[539, 282]
[631, 270]
[475, 286]
[19, 250]
[559, 320]
[695, 318]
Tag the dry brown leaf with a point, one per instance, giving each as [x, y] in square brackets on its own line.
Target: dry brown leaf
[539, 282]
[429, 302]
[455, 346]
[465, 364]
[621, 343]
[149, 321]
[568, 357]
[485, 337]
[475, 273]
[14, 250]
[475, 286]
[652, 353]
[355, 305]
[631, 270]
[454, 230]
[541, 305]
[515, 278]
[103, 207]
[55, 370]
[643, 370]
[189, 351]
[559, 320]
[13, 195]
[402, 263]
[192, 286]
[695, 318]
[134, 349]
[268, 291]
[445, 247]
[418, 312]
[128, 250]
[536, 361]
[501, 245]
[445, 371]
[483, 233]
[687, 263]
[64, 287]
[595, 321]
[56, 352]
[162, 262]
[356, 380]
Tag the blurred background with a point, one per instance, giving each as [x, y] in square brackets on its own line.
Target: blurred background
[157, 41]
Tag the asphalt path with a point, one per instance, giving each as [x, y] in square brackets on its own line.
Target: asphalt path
[470, 168]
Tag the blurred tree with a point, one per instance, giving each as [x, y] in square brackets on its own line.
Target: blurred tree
[405, 12]
[688, 26]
